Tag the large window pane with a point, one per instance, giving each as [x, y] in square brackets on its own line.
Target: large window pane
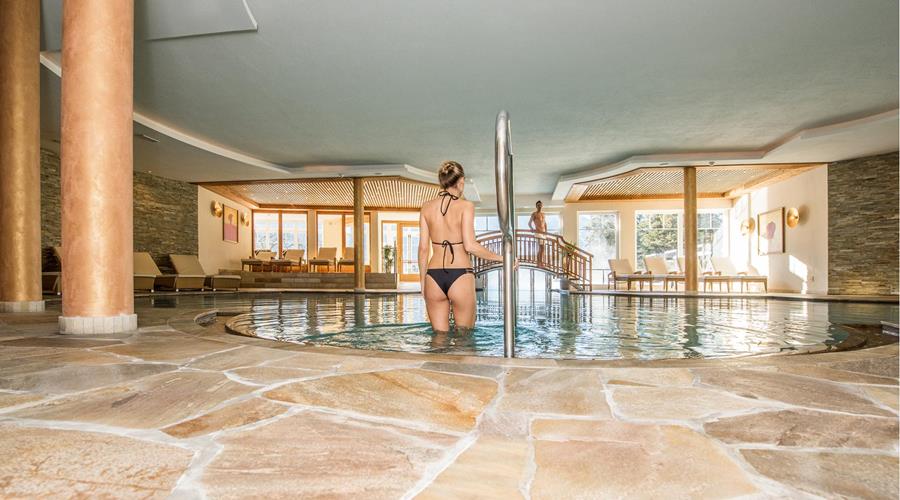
[265, 231]
[348, 237]
[712, 234]
[554, 222]
[486, 224]
[329, 231]
[657, 233]
[598, 234]
[293, 231]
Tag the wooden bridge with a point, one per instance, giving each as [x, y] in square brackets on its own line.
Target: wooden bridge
[560, 258]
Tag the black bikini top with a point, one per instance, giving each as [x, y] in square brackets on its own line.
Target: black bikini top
[446, 244]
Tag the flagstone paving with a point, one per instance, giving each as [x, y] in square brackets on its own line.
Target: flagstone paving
[184, 410]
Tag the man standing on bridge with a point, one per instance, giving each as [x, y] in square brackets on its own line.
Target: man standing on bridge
[538, 224]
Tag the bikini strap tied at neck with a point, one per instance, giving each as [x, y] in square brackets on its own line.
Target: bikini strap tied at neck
[446, 195]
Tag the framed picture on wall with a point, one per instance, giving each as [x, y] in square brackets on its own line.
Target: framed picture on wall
[770, 227]
[230, 221]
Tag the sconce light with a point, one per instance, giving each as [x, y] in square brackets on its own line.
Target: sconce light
[216, 208]
[747, 226]
[792, 218]
[245, 218]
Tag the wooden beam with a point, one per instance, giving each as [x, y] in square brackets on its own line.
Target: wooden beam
[690, 229]
[359, 266]
[647, 197]
[766, 180]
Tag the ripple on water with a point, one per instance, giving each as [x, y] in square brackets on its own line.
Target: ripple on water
[561, 326]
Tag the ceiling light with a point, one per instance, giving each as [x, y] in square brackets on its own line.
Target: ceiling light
[712, 163]
[663, 164]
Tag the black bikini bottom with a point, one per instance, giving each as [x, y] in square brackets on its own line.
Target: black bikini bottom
[444, 278]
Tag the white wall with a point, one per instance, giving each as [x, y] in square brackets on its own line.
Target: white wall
[214, 253]
[803, 267]
[626, 210]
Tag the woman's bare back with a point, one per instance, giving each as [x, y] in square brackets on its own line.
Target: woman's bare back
[447, 228]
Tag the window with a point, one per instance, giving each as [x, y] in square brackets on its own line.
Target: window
[662, 233]
[265, 231]
[598, 234]
[486, 224]
[293, 231]
[554, 222]
[657, 233]
[348, 237]
[712, 234]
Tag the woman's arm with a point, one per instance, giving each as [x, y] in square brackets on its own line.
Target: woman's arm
[424, 250]
[468, 235]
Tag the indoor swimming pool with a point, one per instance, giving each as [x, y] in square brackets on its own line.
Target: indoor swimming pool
[561, 326]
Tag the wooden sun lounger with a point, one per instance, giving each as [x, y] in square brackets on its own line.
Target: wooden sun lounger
[658, 270]
[621, 270]
[188, 266]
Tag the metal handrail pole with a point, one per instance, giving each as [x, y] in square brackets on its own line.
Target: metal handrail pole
[506, 215]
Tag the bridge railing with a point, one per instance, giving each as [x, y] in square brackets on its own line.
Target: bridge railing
[559, 256]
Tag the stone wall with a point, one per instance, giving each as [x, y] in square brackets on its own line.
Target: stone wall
[863, 207]
[165, 214]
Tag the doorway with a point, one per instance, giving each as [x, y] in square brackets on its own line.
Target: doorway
[402, 237]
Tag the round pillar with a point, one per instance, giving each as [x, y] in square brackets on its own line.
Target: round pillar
[96, 168]
[20, 170]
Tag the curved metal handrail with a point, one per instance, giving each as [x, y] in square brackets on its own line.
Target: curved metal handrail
[506, 213]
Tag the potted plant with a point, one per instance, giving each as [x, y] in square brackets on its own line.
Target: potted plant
[387, 259]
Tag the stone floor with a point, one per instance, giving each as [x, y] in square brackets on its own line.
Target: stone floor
[178, 409]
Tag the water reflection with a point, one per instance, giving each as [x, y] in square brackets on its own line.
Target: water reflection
[551, 324]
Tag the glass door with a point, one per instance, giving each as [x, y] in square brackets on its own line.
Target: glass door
[408, 251]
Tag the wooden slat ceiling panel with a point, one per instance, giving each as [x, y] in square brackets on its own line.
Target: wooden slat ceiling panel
[669, 182]
[381, 192]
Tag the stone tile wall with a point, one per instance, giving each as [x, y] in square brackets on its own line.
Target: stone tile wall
[863, 208]
[165, 215]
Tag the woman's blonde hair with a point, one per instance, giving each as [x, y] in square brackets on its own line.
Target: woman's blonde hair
[450, 173]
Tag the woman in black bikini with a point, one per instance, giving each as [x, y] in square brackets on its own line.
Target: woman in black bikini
[447, 224]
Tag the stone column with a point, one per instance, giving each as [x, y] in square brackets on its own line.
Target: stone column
[690, 229]
[20, 157]
[359, 266]
[96, 169]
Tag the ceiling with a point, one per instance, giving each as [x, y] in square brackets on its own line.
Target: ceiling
[291, 88]
[378, 192]
[719, 181]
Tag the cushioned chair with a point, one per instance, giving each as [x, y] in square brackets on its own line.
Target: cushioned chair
[707, 279]
[147, 275]
[189, 265]
[296, 257]
[325, 257]
[724, 267]
[621, 270]
[347, 259]
[265, 257]
[656, 266]
[50, 281]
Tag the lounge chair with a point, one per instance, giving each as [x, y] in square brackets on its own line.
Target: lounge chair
[265, 259]
[348, 258]
[147, 275]
[296, 257]
[725, 267]
[326, 257]
[658, 270]
[189, 265]
[50, 281]
[707, 279]
[621, 270]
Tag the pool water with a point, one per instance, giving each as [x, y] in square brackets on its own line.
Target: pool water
[553, 325]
